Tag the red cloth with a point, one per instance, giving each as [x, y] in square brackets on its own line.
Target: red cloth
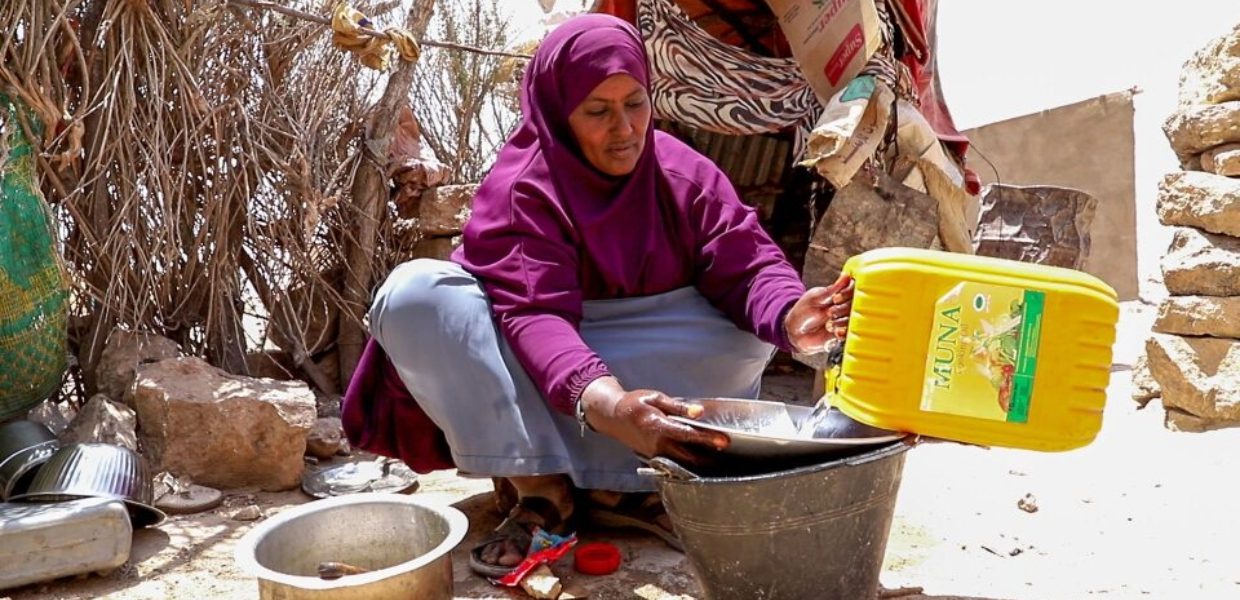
[380, 416]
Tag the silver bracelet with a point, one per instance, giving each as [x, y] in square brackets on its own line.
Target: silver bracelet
[580, 411]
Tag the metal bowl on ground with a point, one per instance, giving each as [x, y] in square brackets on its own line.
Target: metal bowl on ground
[24, 447]
[759, 429]
[403, 542]
[97, 471]
[384, 475]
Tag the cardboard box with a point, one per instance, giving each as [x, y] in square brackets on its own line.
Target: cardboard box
[831, 39]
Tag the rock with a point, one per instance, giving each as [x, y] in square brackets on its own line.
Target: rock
[541, 583]
[1224, 160]
[445, 209]
[1144, 388]
[439, 248]
[223, 430]
[51, 415]
[1212, 75]
[328, 364]
[123, 352]
[1202, 264]
[307, 314]
[324, 438]
[328, 404]
[1215, 316]
[179, 496]
[247, 513]
[105, 422]
[1028, 504]
[865, 215]
[1189, 162]
[1195, 129]
[1202, 200]
[1200, 376]
[1036, 224]
[271, 364]
[1178, 420]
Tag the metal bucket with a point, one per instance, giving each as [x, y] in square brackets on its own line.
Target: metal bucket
[811, 532]
[404, 542]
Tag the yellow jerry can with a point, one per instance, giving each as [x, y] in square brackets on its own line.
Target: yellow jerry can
[976, 349]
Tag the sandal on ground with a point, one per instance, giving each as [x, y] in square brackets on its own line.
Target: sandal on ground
[529, 513]
[633, 510]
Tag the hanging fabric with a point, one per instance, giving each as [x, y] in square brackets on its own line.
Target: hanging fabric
[708, 84]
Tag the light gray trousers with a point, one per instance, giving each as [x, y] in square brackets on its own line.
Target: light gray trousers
[435, 323]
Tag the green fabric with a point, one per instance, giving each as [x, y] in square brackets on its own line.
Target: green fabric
[33, 290]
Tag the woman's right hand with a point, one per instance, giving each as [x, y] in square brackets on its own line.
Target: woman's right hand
[639, 420]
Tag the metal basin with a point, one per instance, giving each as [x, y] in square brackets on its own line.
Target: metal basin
[24, 447]
[760, 429]
[403, 541]
[96, 471]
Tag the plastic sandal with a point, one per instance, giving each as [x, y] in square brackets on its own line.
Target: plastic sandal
[637, 511]
[530, 512]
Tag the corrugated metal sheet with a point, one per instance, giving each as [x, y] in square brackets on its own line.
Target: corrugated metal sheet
[749, 160]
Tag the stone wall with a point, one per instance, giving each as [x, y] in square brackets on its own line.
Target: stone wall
[1193, 357]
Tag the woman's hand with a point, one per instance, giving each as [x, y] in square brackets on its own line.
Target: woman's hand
[819, 315]
[639, 420]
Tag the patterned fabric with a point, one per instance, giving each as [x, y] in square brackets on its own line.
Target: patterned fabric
[33, 289]
[702, 82]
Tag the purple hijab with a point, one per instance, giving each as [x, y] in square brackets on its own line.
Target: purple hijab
[549, 231]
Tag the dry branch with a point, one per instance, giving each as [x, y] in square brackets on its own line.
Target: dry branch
[292, 12]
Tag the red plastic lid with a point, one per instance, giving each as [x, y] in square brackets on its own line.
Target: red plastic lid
[596, 558]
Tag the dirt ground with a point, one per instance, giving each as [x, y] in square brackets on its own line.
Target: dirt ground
[1143, 512]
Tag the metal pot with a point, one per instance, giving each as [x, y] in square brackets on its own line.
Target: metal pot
[24, 446]
[404, 542]
[97, 471]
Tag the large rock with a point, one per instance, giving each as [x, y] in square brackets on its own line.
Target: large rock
[122, 353]
[1212, 75]
[1200, 376]
[307, 315]
[1195, 129]
[325, 438]
[1144, 388]
[105, 422]
[271, 364]
[445, 209]
[1200, 263]
[1215, 316]
[1202, 200]
[1178, 420]
[52, 415]
[1224, 160]
[439, 248]
[1037, 224]
[220, 429]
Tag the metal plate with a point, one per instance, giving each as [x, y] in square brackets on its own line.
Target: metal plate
[760, 429]
[381, 475]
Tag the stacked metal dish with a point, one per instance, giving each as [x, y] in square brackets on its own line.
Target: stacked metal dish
[96, 471]
[24, 447]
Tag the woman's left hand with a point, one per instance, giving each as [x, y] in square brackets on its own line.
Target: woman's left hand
[820, 314]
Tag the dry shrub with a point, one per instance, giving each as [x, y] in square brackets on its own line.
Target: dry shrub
[199, 157]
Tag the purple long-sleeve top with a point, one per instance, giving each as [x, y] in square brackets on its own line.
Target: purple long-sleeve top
[548, 231]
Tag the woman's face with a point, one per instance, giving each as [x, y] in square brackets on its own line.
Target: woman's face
[610, 124]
